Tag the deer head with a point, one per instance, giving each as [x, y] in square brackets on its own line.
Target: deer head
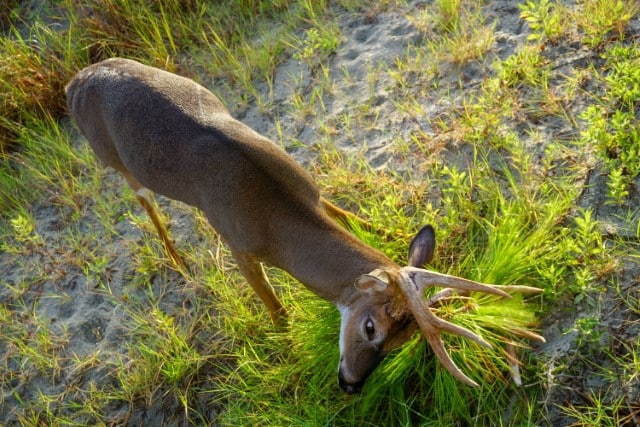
[389, 306]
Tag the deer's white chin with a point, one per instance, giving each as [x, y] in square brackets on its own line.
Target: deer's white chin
[344, 318]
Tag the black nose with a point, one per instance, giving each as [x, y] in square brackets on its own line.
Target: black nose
[348, 387]
[351, 389]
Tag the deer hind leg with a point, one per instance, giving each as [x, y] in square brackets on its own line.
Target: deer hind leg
[254, 273]
[145, 198]
[344, 218]
[351, 221]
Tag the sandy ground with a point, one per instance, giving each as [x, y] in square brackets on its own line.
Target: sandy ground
[95, 322]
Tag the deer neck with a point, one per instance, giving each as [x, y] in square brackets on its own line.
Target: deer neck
[327, 259]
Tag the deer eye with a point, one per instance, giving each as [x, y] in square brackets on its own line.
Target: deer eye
[370, 329]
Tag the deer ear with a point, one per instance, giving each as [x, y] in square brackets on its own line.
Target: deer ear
[376, 281]
[422, 246]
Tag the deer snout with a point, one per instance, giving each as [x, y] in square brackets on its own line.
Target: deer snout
[350, 378]
[348, 387]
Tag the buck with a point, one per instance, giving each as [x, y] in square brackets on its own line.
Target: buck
[170, 135]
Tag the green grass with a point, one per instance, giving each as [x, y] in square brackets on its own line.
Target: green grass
[504, 192]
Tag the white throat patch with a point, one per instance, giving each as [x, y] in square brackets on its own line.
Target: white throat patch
[344, 317]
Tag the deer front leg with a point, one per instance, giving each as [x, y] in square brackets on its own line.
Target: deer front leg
[254, 273]
[146, 200]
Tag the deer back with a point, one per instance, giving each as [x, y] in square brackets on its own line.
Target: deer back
[177, 139]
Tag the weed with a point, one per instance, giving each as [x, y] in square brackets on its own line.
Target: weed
[615, 132]
[623, 79]
[23, 228]
[163, 354]
[599, 18]
[597, 412]
[527, 66]
[31, 82]
[547, 21]
[448, 16]
[317, 45]
[456, 31]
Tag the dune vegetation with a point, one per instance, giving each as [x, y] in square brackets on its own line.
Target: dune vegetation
[512, 127]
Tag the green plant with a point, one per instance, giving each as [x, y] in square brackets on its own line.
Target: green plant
[8, 12]
[32, 78]
[448, 14]
[599, 18]
[456, 30]
[527, 66]
[613, 129]
[623, 77]
[598, 411]
[547, 21]
[163, 352]
[317, 45]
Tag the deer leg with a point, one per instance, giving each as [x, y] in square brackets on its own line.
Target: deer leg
[343, 217]
[254, 273]
[347, 220]
[145, 198]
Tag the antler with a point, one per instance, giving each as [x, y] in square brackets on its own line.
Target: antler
[412, 286]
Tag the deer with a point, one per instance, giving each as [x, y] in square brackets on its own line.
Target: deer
[169, 135]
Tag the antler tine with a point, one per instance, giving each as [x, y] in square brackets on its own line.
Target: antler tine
[526, 290]
[529, 335]
[423, 278]
[445, 294]
[412, 284]
[432, 326]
